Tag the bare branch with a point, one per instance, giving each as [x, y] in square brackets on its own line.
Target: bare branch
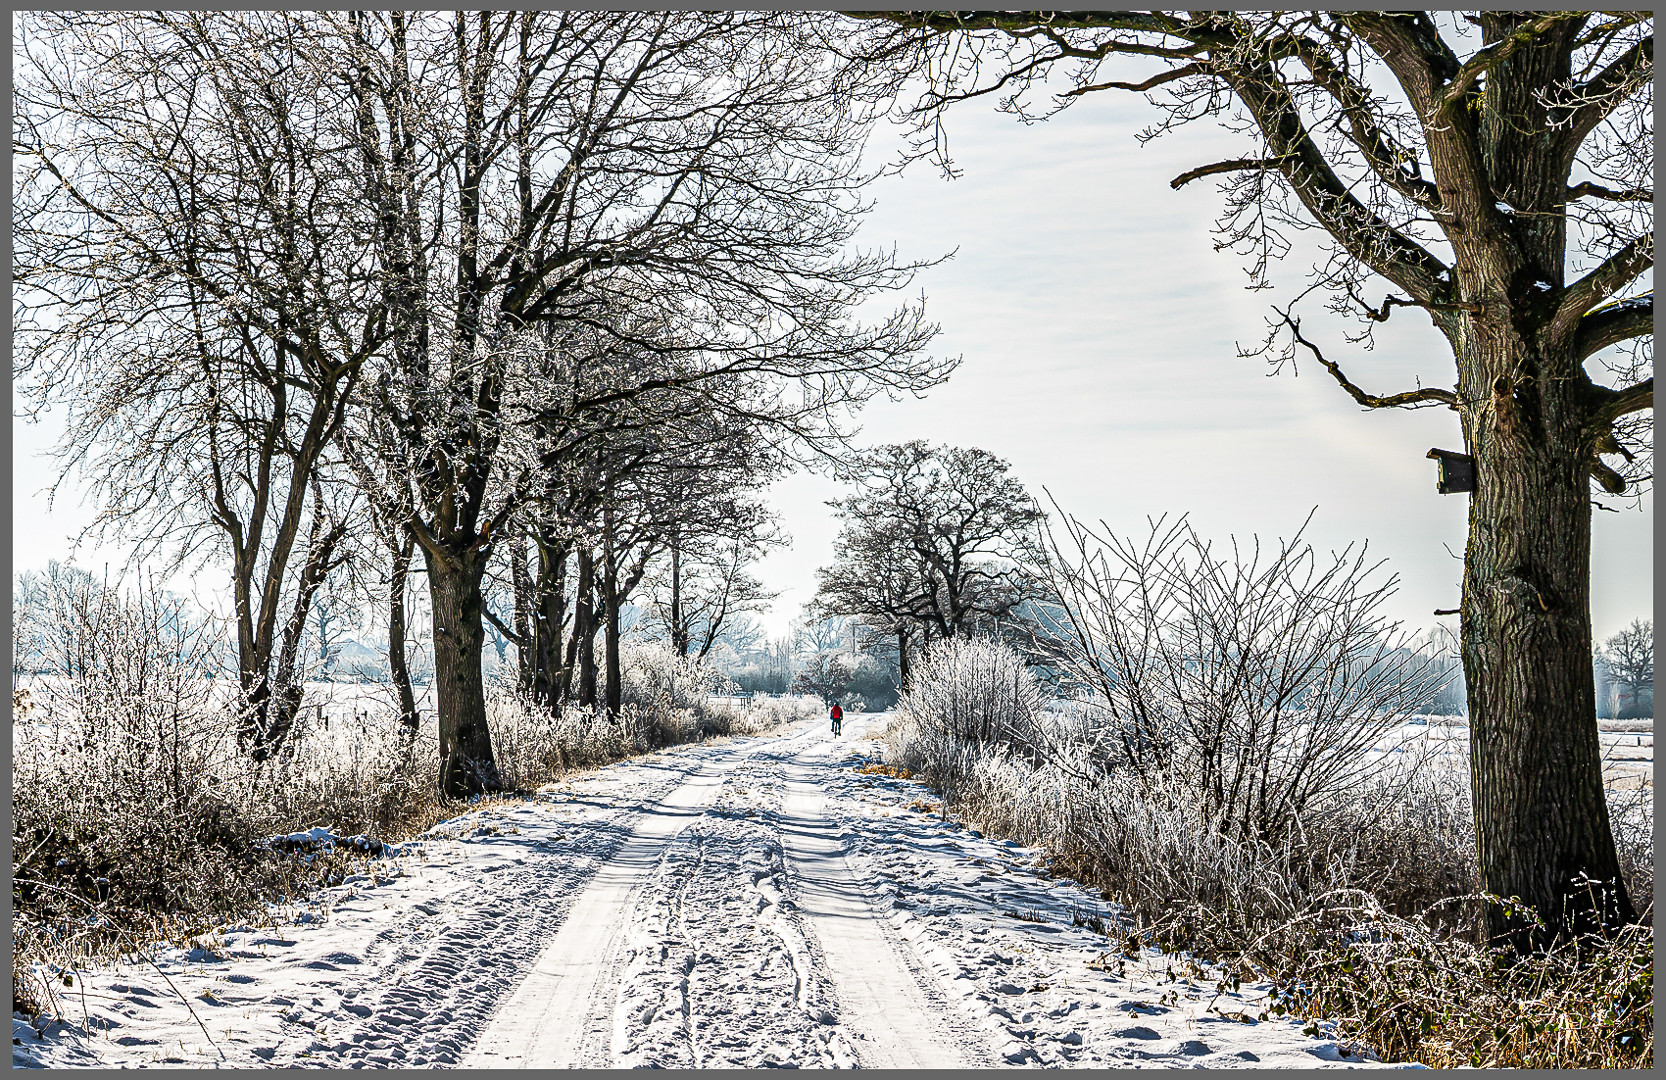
[1386, 156]
[1604, 474]
[1156, 80]
[1361, 232]
[1605, 90]
[1492, 55]
[491, 617]
[1630, 399]
[1411, 399]
[1617, 271]
[1613, 323]
[1234, 165]
[1586, 188]
[1381, 314]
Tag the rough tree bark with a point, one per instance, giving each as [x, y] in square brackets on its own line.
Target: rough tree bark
[583, 643]
[549, 619]
[1532, 420]
[612, 685]
[902, 658]
[679, 632]
[409, 719]
[526, 601]
[467, 766]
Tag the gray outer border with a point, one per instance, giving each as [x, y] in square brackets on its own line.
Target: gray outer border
[6, 485]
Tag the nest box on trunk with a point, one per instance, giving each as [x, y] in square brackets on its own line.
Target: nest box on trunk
[1457, 472]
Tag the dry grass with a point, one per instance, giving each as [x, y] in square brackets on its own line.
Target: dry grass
[1414, 995]
[1363, 910]
[136, 819]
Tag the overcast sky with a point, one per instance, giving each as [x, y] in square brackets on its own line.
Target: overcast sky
[1098, 330]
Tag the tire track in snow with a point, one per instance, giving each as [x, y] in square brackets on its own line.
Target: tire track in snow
[758, 996]
[901, 1018]
[652, 1015]
[437, 976]
[563, 1014]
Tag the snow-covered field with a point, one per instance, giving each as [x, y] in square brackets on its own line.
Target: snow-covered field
[1627, 746]
[748, 902]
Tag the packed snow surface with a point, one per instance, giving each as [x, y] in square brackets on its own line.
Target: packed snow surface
[751, 902]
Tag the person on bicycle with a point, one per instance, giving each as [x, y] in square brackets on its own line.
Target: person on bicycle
[837, 714]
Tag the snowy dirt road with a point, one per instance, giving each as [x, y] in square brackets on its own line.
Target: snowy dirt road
[754, 902]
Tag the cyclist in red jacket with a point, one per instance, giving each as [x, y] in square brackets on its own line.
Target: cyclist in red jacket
[838, 715]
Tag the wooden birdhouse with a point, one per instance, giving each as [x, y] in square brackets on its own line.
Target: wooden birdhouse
[1456, 472]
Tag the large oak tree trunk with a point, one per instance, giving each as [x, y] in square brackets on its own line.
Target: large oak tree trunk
[467, 766]
[1540, 813]
[1541, 816]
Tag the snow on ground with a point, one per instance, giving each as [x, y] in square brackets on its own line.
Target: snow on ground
[747, 902]
[1627, 747]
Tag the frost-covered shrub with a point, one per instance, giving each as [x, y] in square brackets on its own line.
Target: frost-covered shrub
[1257, 679]
[665, 700]
[872, 686]
[1631, 814]
[137, 816]
[129, 793]
[971, 690]
[1149, 848]
[532, 744]
[1152, 840]
[763, 714]
[362, 773]
[670, 694]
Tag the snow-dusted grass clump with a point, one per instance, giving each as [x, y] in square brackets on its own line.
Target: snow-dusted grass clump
[665, 700]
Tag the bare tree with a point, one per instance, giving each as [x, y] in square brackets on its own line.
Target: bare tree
[826, 675]
[190, 288]
[928, 546]
[695, 170]
[332, 608]
[876, 577]
[713, 530]
[1628, 657]
[743, 636]
[1492, 169]
[709, 587]
[818, 633]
